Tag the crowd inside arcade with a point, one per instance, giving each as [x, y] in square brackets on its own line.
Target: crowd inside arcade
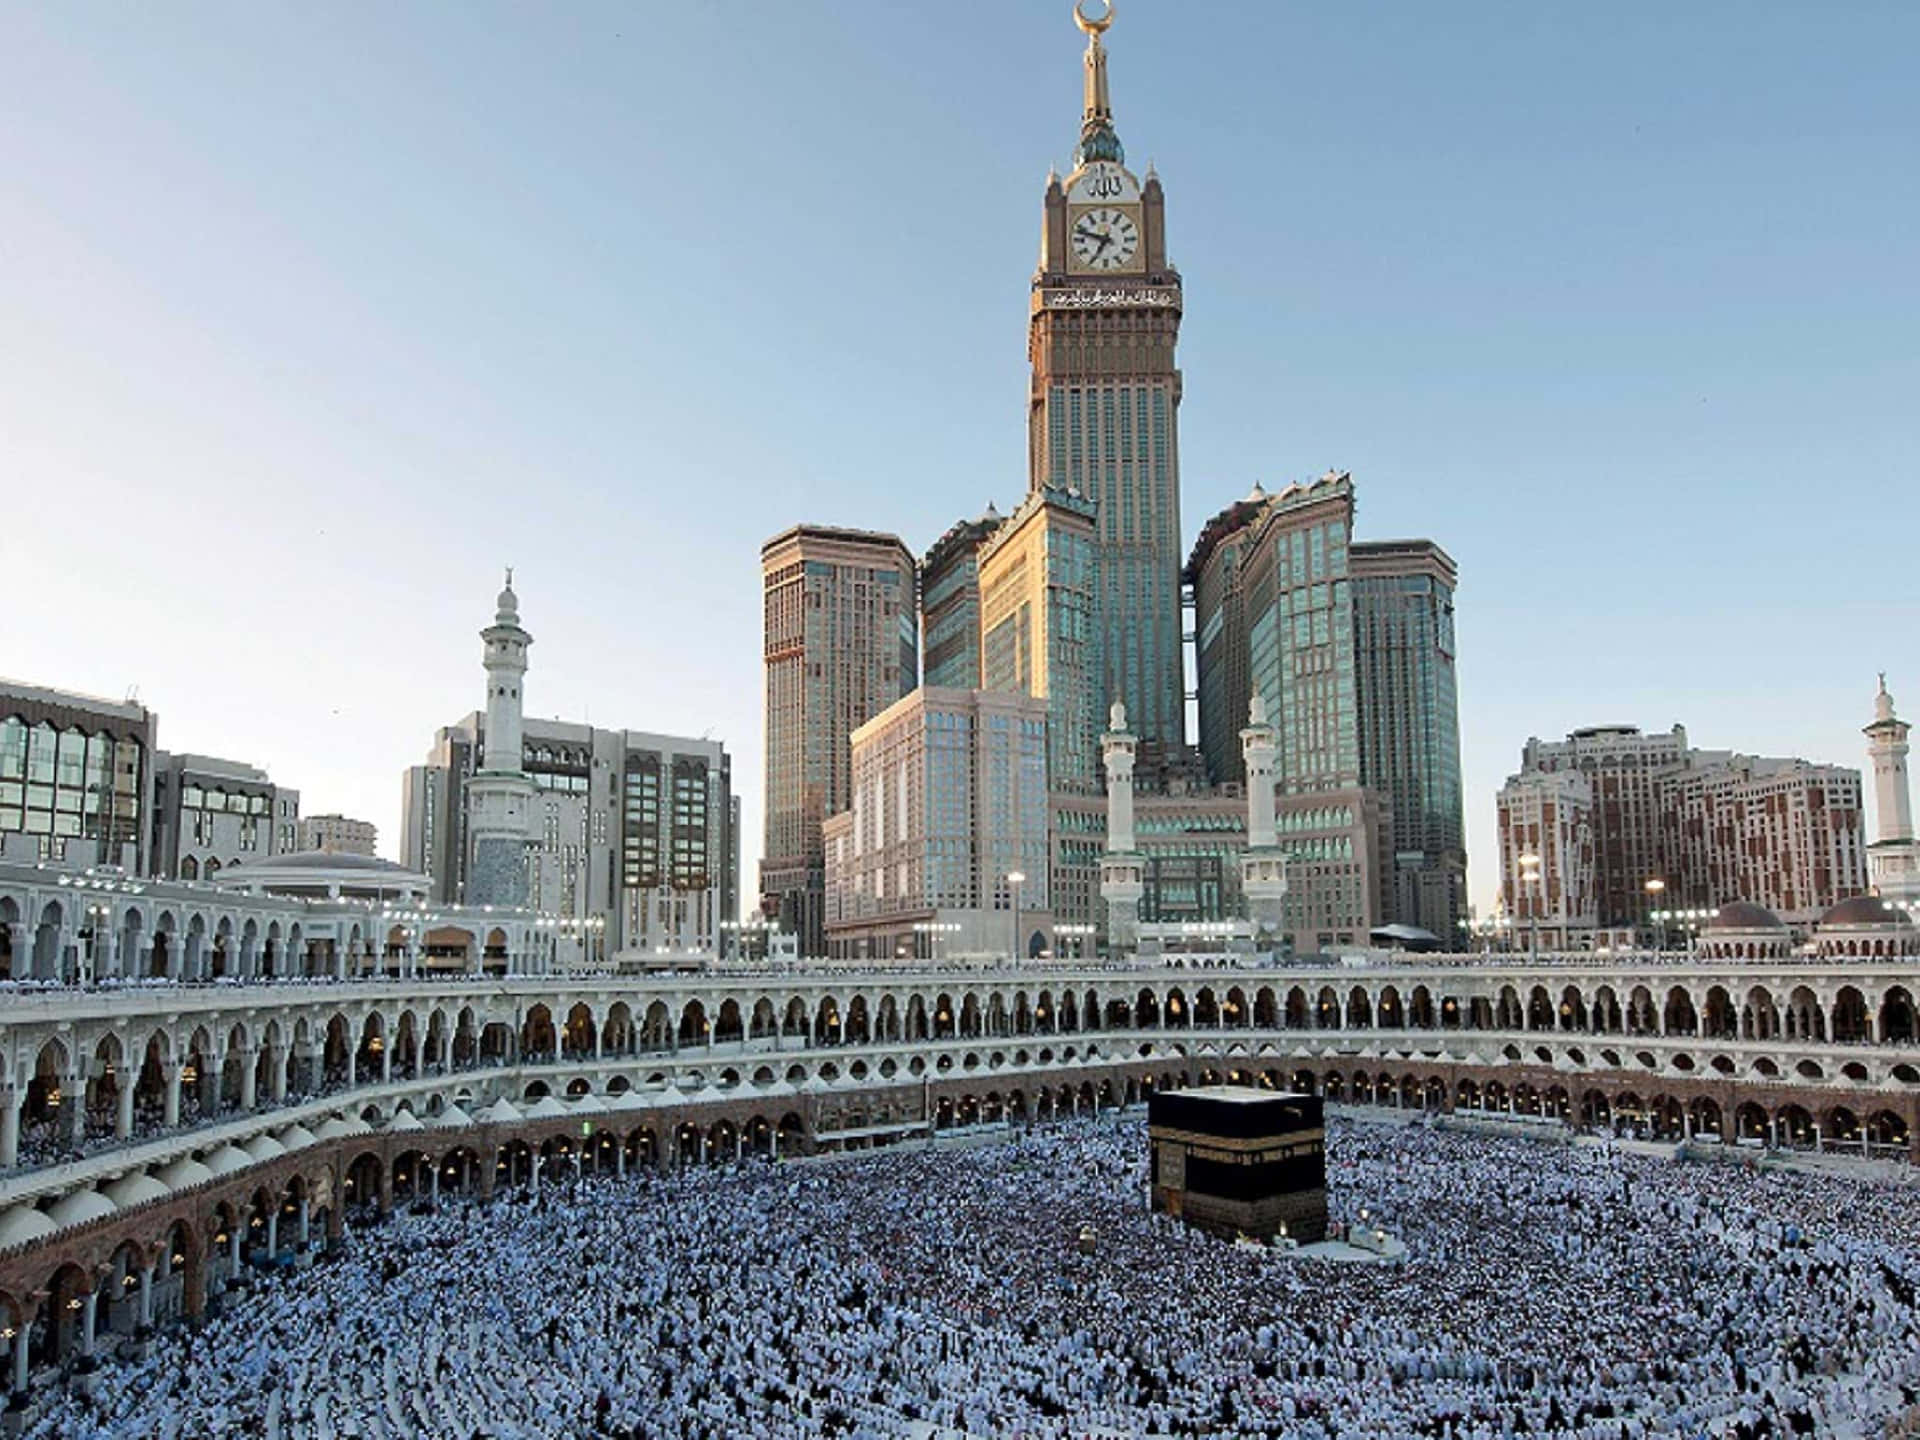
[1554, 1290]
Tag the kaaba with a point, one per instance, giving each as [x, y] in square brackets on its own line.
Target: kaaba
[1233, 1160]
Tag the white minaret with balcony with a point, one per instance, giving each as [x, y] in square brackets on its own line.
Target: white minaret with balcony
[1122, 869]
[500, 796]
[1894, 856]
[1263, 865]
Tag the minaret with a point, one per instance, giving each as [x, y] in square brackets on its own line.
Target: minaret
[1894, 856]
[1122, 868]
[1263, 865]
[500, 795]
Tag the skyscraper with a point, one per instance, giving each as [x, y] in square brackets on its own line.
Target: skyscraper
[1104, 402]
[950, 604]
[1409, 718]
[1215, 573]
[1036, 624]
[841, 645]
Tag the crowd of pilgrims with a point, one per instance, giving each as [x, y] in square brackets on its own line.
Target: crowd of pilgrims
[1547, 1291]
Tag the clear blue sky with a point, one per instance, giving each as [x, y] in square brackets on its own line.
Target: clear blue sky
[313, 316]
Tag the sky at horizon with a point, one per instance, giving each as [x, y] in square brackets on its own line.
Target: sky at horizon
[316, 317]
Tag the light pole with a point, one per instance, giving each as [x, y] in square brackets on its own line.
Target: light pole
[1530, 879]
[1653, 888]
[1015, 879]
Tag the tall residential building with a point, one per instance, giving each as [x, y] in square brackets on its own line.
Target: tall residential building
[1705, 827]
[949, 801]
[633, 847]
[1894, 854]
[1104, 402]
[1215, 574]
[841, 645]
[210, 815]
[1552, 903]
[950, 604]
[339, 835]
[76, 779]
[1300, 637]
[1782, 833]
[1623, 768]
[1409, 718]
[1036, 624]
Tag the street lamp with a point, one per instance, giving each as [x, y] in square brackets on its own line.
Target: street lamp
[1653, 888]
[1016, 878]
[1530, 878]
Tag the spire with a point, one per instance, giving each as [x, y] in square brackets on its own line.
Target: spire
[507, 605]
[1882, 703]
[1097, 138]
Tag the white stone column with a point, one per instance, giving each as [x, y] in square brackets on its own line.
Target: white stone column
[10, 1104]
[273, 1232]
[172, 1073]
[123, 1105]
[146, 1297]
[89, 1312]
[20, 1344]
[249, 1078]
[73, 1089]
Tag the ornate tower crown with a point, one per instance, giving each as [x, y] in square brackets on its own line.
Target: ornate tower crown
[1097, 138]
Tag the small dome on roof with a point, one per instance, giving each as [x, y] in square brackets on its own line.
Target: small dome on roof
[79, 1206]
[340, 1126]
[546, 1108]
[501, 1112]
[227, 1159]
[136, 1189]
[1744, 915]
[184, 1174]
[452, 1118]
[23, 1223]
[1864, 910]
[296, 1137]
[589, 1105]
[326, 860]
[405, 1120]
[264, 1147]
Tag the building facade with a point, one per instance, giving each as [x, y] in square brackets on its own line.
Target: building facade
[950, 604]
[634, 846]
[1036, 578]
[76, 779]
[1104, 401]
[1624, 826]
[210, 815]
[1408, 697]
[339, 835]
[944, 844]
[842, 644]
[1214, 575]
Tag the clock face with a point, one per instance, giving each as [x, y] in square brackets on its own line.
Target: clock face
[1104, 239]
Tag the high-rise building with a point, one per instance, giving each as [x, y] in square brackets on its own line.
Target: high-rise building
[339, 835]
[76, 779]
[1550, 904]
[1624, 826]
[1104, 403]
[633, 846]
[1623, 768]
[1036, 624]
[1215, 574]
[1409, 718]
[210, 815]
[947, 827]
[841, 645]
[1894, 854]
[950, 604]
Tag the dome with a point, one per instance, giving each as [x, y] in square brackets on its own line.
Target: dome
[263, 1148]
[227, 1159]
[501, 1112]
[547, 1108]
[327, 860]
[137, 1189]
[77, 1207]
[1744, 915]
[23, 1223]
[404, 1120]
[1863, 910]
[589, 1105]
[296, 1137]
[452, 1118]
[184, 1174]
[340, 1126]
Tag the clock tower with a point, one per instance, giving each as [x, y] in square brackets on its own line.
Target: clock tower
[1104, 401]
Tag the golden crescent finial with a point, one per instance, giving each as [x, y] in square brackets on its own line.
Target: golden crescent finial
[1092, 24]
